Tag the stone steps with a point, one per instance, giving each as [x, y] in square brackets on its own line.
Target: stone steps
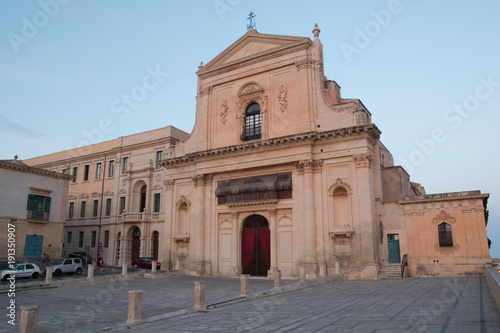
[389, 272]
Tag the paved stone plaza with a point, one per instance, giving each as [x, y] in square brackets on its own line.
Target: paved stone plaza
[427, 304]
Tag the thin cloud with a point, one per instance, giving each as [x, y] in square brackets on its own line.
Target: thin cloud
[16, 129]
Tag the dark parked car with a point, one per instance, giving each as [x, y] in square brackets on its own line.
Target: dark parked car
[86, 258]
[144, 263]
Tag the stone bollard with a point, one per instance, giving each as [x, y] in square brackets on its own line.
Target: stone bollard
[322, 269]
[29, 319]
[48, 274]
[199, 295]
[337, 267]
[244, 283]
[277, 278]
[302, 273]
[124, 269]
[134, 307]
[153, 266]
[90, 273]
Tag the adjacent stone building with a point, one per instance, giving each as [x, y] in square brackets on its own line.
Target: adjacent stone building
[115, 196]
[279, 172]
[32, 211]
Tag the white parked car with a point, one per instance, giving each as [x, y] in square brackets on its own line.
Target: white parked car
[22, 270]
[68, 266]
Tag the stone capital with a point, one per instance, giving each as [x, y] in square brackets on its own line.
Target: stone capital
[202, 180]
[169, 184]
[363, 160]
[305, 166]
[205, 91]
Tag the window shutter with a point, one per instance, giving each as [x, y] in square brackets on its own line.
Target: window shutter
[31, 198]
[46, 206]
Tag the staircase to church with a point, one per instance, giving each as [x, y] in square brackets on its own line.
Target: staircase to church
[389, 272]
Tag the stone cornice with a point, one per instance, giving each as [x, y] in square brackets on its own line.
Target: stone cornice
[252, 203]
[443, 197]
[278, 142]
[37, 171]
[82, 156]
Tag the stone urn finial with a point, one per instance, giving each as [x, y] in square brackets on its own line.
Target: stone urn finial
[316, 31]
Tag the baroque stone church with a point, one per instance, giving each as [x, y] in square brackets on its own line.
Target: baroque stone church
[279, 172]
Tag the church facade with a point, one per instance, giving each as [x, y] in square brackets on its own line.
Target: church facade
[281, 172]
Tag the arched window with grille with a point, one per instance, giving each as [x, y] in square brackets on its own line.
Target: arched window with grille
[253, 122]
[445, 235]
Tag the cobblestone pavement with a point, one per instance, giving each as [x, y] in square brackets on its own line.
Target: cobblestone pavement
[428, 304]
[90, 307]
[417, 304]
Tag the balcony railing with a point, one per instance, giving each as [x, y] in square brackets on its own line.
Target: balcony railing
[38, 215]
[144, 216]
[404, 266]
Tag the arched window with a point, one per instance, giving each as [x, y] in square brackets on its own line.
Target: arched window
[143, 197]
[445, 236]
[253, 122]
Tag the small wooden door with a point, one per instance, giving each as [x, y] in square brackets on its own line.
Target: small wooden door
[33, 246]
[136, 244]
[393, 246]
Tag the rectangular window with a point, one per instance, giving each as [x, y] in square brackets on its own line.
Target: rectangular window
[75, 173]
[124, 164]
[106, 238]
[159, 157]
[108, 207]
[94, 234]
[98, 171]
[70, 234]
[111, 169]
[95, 208]
[71, 210]
[157, 203]
[122, 205]
[86, 173]
[64, 171]
[83, 207]
[80, 239]
[38, 207]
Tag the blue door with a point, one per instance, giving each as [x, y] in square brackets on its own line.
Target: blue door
[393, 245]
[33, 246]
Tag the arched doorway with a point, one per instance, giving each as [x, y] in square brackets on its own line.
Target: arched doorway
[255, 246]
[118, 244]
[143, 198]
[136, 243]
[156, 237]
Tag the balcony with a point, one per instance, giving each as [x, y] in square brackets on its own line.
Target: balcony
[342, 231]
[139, 217]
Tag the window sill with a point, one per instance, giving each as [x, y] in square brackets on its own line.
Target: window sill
[37, 221]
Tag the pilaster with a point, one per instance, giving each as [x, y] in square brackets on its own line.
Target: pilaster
[306, 169]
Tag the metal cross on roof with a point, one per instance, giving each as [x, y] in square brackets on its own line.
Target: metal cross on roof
[252, 25]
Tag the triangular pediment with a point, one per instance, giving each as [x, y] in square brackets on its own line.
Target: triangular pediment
[253, 46]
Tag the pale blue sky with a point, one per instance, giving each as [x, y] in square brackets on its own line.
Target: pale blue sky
[427, 67]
